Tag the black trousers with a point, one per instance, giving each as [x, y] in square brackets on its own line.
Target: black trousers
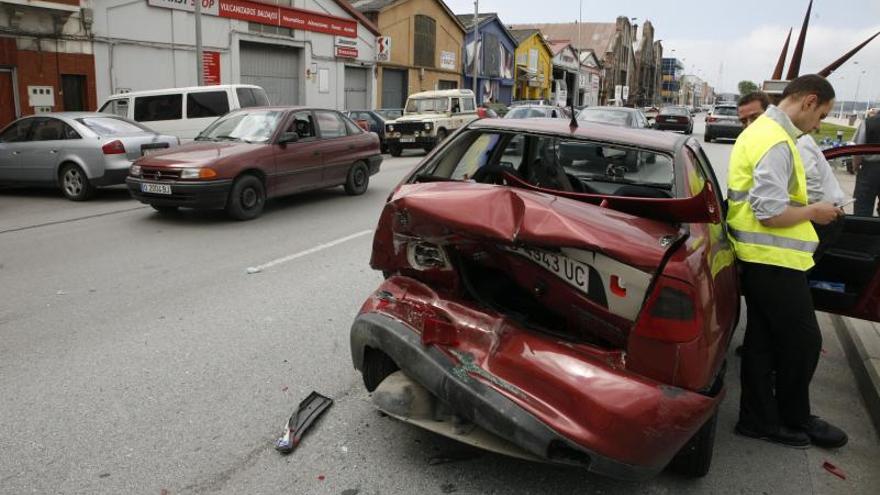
[781, 348]
[867, 189]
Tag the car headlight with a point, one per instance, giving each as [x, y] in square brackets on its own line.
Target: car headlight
[135, 171]
[198, 173]
[391, 128]
[427, 126]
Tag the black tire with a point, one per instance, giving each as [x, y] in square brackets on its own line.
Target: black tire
[247, 198]
[695, 458]
[395, 150]
[74, 183]
[377, 366]
[707, 138]
[358, 180]
[689, 131]
[165, 210]
[441, 136]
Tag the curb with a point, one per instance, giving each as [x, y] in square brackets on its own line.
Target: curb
[861, 343]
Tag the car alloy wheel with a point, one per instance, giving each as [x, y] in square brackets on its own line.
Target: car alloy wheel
[75, 184]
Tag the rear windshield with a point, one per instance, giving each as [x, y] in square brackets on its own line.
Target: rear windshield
[526, 113]
[605, 116]
[112, 126]
[674, 111]
[554, 162]
[725, 111]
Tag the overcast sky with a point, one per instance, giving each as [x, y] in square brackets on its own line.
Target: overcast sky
[746, 36]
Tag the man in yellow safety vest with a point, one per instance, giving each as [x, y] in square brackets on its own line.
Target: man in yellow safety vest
[769, 219]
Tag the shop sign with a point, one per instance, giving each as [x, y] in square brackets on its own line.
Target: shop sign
[211, 68]
[270, 15]
[447, 60]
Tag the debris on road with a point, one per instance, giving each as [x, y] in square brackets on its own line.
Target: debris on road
[61, 293]
[309, 410]
[251, 270]
[836, 471]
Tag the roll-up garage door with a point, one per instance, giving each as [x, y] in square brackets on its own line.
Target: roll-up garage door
[355, 88]
[274, 68]
[393, 88]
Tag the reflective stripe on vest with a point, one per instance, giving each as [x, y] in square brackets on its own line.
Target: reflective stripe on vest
[765, 239]
[744, 196]
[789, 247]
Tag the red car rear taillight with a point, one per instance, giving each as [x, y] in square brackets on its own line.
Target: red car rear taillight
[113, 148]
[670, 313]
[711, 119]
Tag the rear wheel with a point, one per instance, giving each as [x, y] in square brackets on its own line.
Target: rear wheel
[441, 135]
[247, 198]
[707, 138]
[377, 366]
[358, 180]
[395, 150]
[74, 183]
[695, 458]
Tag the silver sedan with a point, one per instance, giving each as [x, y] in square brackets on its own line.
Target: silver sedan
[76, 151]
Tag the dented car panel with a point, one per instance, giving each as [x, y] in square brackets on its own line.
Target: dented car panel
[581, 316]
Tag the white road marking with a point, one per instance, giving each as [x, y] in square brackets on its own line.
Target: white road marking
[341, 240]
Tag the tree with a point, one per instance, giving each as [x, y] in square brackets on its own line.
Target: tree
[746, 87]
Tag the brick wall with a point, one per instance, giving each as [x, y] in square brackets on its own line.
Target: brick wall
[44, 69]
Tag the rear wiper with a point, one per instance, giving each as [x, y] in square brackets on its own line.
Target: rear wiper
[228, 138]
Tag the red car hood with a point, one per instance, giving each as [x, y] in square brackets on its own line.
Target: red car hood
[198, 153]
[517, 216]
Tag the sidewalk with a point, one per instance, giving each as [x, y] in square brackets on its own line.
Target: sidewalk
[861, 343]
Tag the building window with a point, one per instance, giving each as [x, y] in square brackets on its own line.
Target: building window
[256, 27]
[424, 40]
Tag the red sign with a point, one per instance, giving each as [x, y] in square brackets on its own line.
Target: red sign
[346, 52]
[287, 17]
[211, 68]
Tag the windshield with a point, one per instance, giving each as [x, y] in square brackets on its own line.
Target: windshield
[605, 116]
[526, 113]
[112, 126]
[426, 105]
[731, 111]
[250, 127]
[553, 162]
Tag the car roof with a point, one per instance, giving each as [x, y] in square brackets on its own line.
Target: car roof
[150, 92]
[72, 115]
[643, 138]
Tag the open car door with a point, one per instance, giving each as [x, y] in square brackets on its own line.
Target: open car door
[846, 279]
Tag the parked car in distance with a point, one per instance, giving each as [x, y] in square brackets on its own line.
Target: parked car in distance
[375, 122]
[584, 317]
[723, 122]
[537, 112]
[428, 118]
[616, 116]
[651, 114]
[251, 155]
[184, 112]
[675, 119]
[390, 113]
[76, 151]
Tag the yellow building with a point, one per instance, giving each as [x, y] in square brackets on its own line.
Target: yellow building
[534, 65]
[425, 42]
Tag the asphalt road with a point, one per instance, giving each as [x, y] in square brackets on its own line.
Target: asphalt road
[137, 355]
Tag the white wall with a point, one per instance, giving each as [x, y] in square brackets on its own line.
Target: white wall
[153, 48]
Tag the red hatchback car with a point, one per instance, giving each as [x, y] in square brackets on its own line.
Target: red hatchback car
[248, 156]
[569, 296]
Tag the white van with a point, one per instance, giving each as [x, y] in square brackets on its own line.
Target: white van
[184, 112]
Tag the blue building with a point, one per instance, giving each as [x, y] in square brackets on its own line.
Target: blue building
[496, 48]
[670, 89]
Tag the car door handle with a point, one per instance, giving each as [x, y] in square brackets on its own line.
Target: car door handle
[16, 152]
[317, 153]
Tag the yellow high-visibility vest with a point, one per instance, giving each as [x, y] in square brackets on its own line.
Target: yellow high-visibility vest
[788, 247]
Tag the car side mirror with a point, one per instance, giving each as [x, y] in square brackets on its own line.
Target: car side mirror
[288, 137]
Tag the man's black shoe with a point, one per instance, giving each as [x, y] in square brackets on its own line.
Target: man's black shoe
[824, 434]
[783, 436]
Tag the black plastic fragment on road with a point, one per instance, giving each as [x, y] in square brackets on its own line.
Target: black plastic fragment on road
[308, 411]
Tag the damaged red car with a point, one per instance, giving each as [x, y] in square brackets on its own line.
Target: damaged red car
[568, 295]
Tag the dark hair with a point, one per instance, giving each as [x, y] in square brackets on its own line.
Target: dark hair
[754, 96]
[810, 84]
